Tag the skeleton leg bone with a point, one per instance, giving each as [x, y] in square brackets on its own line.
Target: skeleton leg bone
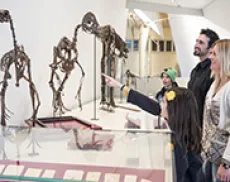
[54, 67]
[80, 86]
[112, 60]
[58, 98]
[33, 91]
[111, 71]
[113, 74]
[103, 83]
[55, 108]
[33, 95]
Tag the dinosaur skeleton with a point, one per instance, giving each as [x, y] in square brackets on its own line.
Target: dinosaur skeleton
[111, 42]
[21, 61]
[65, 55]
[131, 79]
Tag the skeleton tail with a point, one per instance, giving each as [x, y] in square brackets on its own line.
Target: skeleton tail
[5, 63]
[4, 110]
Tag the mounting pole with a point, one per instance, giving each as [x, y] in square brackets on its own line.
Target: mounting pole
[95, 84]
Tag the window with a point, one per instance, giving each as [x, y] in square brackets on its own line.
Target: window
[161, 46]
[154, 45]
[174, 48]
[168, 45]
[135, 45]
[128, 43]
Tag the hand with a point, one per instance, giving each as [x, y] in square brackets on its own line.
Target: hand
[111, 82]
[223, 174]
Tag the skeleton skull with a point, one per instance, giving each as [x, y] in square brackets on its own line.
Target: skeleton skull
[4, 16]
[90, 24]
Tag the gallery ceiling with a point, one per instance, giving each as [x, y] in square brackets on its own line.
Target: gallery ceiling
[216, 11]
[194, 4]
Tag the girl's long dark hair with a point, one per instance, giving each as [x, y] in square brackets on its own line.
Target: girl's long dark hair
[183, 119]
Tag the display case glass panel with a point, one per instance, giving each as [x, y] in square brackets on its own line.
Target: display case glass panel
[52, 154]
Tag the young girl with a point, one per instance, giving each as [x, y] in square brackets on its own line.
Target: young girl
[179, 108]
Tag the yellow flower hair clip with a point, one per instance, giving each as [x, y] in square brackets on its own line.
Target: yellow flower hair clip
[170, 146]
[170, 95]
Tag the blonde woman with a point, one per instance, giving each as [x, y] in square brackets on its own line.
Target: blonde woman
[216, 129]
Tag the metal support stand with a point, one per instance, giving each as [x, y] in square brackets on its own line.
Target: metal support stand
[95, 84]
[122, 76]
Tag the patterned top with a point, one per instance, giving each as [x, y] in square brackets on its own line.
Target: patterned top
[212, 122]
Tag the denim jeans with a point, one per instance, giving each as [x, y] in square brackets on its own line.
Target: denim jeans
[194, 165]
[187, 165]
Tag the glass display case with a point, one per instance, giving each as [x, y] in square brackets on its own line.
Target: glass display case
[56, 154]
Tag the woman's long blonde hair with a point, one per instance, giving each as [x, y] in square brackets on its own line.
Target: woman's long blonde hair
[223, 50]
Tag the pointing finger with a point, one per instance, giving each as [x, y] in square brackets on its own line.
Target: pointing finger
[103, 74]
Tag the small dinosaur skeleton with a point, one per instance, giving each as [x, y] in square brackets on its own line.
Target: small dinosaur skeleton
[111, 42]
[131, 79]
[65, 55]
[21, 61]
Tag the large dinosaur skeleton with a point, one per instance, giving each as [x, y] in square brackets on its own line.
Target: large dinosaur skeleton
[21, 61]
[65, 55]
[111, 42]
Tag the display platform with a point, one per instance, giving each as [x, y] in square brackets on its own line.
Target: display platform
[108, 120]
[80, 172]
[64, 122]
[123, 117]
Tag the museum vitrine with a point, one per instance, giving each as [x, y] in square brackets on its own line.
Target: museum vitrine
[56, 154]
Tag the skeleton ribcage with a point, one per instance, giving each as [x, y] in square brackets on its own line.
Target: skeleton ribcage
[9, 58]
[66, 66]
[6, 61]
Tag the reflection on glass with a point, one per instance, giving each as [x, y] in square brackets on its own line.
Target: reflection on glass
[2, 148]
[16, 135]
[33, 143]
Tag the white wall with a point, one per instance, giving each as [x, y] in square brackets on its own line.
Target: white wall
[218, 12]
[39, 26]
[185, 30]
